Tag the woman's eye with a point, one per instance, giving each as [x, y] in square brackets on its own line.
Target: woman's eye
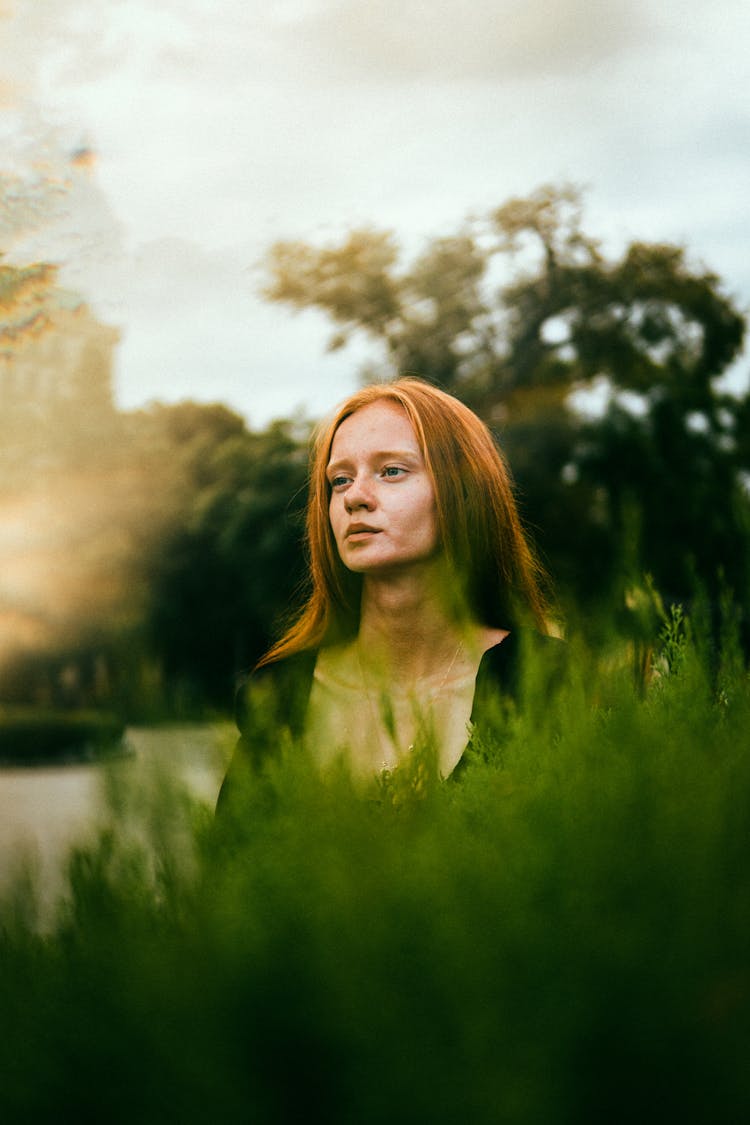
[393, 471]
[339, 482]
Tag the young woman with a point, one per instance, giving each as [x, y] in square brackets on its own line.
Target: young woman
[422, 587]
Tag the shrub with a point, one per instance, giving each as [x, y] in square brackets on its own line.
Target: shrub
[561, 936]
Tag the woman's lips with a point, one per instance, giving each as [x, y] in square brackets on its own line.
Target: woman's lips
[359, 531]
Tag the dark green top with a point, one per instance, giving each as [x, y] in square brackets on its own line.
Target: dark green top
[272, 703]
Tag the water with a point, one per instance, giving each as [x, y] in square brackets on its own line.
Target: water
[44, 811]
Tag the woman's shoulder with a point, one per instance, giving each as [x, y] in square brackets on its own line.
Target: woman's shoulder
[269, 700]
[523, 640]
[522, 654]
[289, 667]
[278, 690]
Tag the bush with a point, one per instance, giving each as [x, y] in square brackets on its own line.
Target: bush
[559, 937]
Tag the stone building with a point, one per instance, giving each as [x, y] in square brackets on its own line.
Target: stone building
[56, 361]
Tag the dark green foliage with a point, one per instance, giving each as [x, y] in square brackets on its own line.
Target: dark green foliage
[560, 937]
[228, 571]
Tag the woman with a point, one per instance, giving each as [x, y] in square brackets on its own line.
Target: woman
[421, 579]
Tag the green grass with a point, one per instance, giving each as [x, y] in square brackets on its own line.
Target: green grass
[564, 936]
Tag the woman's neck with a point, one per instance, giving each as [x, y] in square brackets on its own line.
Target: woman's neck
[408, 629]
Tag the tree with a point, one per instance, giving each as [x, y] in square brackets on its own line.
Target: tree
[520, 309]
[229, 568]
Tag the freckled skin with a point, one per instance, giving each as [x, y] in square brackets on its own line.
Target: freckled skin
[380, 485]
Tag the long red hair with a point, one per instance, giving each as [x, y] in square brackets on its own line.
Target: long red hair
[479, 529]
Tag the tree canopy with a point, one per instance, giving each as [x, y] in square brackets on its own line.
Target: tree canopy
[226, 572]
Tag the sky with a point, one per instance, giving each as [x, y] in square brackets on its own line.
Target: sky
[155, 151]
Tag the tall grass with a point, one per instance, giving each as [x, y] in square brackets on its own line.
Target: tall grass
[561, 936]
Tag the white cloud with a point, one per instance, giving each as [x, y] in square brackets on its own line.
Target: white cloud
[195, 328]
[444, 40]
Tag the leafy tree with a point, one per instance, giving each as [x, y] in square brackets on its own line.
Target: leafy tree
[229, 567]
[521, 308]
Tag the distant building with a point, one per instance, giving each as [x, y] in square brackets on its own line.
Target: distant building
[56, 363]
[64, 481]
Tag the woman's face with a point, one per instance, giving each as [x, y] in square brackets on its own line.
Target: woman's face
[382, 506]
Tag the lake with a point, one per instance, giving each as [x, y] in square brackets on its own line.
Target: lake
[45, 810]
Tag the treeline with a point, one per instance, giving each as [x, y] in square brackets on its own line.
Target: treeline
[520, 313]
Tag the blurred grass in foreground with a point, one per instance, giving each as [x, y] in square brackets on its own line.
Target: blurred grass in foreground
[563, 936]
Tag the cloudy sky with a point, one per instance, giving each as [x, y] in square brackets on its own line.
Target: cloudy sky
[156, 150]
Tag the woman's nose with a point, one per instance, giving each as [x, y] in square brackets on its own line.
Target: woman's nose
[358, 494]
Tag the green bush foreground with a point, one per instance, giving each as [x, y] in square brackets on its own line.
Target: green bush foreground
[563, 936]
